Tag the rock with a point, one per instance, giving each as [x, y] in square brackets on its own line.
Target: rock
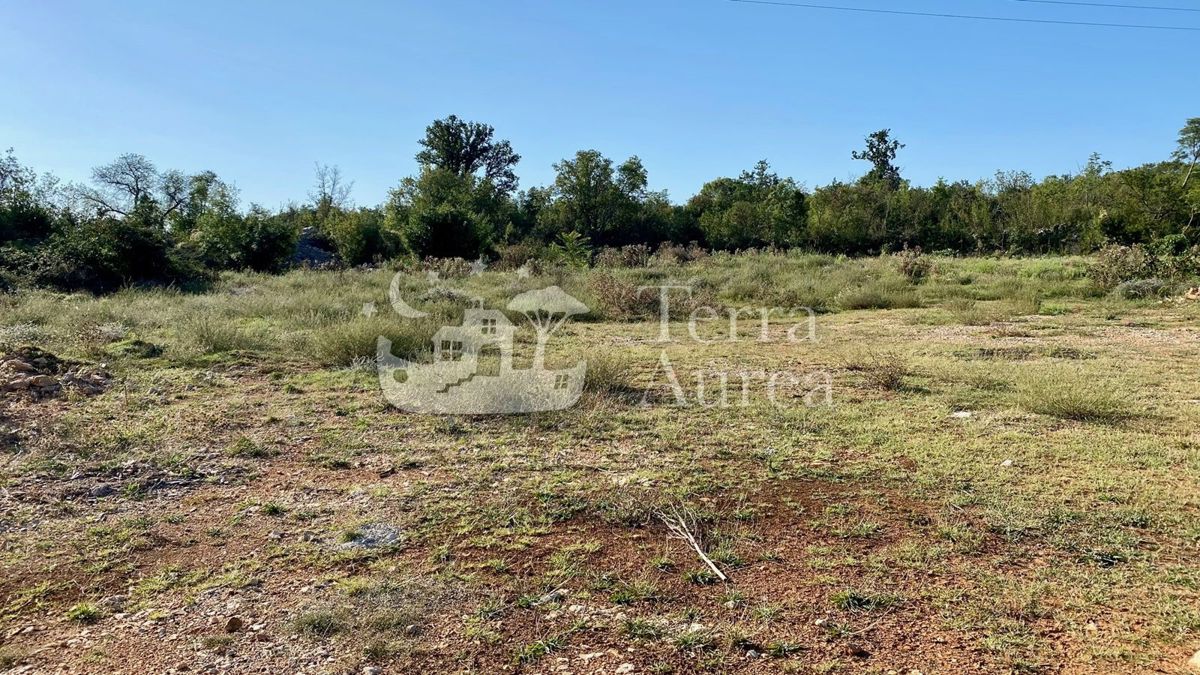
[961, 414]
[114, 603]
[234, 624]
[375, 535]
[625, 668]
[101, 490]
[372, 670]
[857, 651]
[1195, 662]
[1007, 462]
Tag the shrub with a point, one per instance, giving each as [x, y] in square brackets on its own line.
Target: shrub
[258, 241]
[105, 254]
[620, 299]
[361, 237]
[882, 371]
[1138, 289]
[634, 255]
[513, 256]
[1115, 264]
[913, 264]
[608, 374]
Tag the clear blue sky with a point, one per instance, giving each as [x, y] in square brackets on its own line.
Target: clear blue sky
[259, 91]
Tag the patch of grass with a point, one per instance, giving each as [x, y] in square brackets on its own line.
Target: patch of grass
[536, 650]
[217, 643]
[246, 448]
[84, 612]
[636, 591]
[10, 657]
[319, 622]
[353, 342]
[1075, 396]
[857, 600]
[695, 640]
[641, 629]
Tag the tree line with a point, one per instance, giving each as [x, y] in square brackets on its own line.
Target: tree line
[135, 223]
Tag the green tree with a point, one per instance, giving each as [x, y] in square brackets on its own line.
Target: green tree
[443, 214]
[881, 153]
[756, 209]
[469, 149]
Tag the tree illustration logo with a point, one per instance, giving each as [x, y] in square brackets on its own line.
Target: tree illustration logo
[472, 371]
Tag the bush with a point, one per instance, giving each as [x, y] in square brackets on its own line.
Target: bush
[1139, 289]
[619, 299]
[634, 255]
[105, 254]
[360, 236]
[258, 241]
[913, 264]
[1115, 264]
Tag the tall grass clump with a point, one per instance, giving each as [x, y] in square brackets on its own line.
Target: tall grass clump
[609, 374]
[1071, 395]
[218, 335]
[880, 294]
[354, 341]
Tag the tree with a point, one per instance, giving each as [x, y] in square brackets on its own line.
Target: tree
[331, 191]
[443, 214]
[25, 212]
[758, 208]
[881, 153]
[547, 310]
[132, 183]
[1188, 150]
[466, 148]
[609, 206]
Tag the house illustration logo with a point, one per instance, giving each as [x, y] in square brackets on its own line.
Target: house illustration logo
[472, 371]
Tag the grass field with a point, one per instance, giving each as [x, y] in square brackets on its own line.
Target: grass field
[1006, 480]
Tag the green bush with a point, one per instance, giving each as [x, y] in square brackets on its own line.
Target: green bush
[105, 254]
[258, 241]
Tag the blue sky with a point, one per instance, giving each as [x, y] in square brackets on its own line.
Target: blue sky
[261, 91]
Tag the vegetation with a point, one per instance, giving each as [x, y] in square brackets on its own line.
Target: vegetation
[983, 478]
[137, 224]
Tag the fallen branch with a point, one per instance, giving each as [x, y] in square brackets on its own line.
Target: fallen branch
[684, 526]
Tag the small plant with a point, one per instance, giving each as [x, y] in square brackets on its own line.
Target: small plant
[855, 600]
[637, 591]
[247, 448]
[84, 612]
[701, 577]
[319, 623]
[882, 371]
[572, 249]
[641, 629]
